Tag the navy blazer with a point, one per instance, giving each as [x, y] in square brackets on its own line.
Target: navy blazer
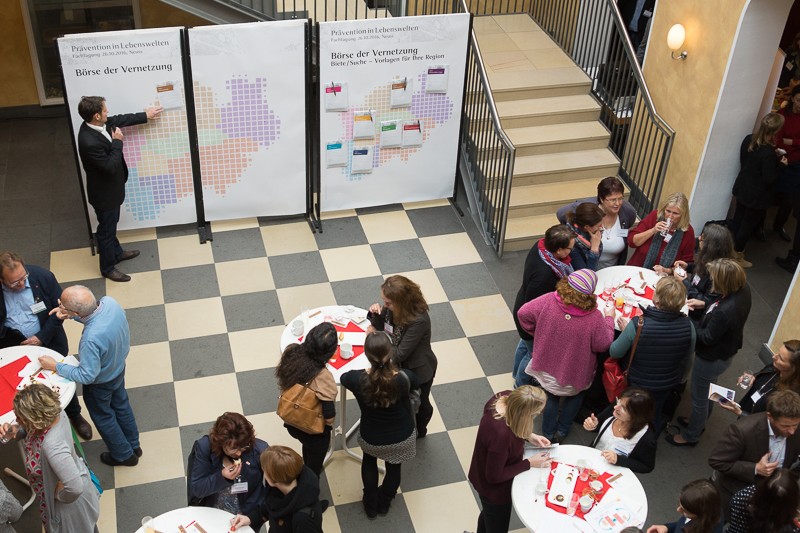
[204, 477]
[45, 288]
[103, 162]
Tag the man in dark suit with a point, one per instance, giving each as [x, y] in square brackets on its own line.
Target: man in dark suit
[636, 14]
[100, 149]
[754, 446]
[29, 293]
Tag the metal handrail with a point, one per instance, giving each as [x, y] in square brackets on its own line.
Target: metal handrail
[486, 149]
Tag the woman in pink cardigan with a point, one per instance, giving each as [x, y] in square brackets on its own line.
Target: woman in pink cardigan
[568, 332]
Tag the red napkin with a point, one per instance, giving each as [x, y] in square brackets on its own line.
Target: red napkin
[336, 361]
[649, 292]
[8, 383]
[579, 486]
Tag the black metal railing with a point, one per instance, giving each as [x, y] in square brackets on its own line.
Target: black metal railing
[325, 10]
[593, 34]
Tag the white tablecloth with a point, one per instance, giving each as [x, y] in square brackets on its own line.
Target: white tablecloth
[210, 519]
[356, 363]
[9, 355]
[539, 518]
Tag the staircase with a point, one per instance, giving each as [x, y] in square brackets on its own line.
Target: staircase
[548, 113]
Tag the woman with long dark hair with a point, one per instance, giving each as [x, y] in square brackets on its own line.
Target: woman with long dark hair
[699, 505]
[586, 223]
[715, 242]
[624, 433]
[387, 421]
[404, 317]
[769, 506]
[305, 364]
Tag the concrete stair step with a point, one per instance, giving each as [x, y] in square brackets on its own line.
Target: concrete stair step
[545, 111]
[523, 232]
[525, 84]
[565, 166]
[546, 198]
[554, 138]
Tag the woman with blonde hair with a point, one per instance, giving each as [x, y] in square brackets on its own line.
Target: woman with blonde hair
[404, 317]
[68, 500]
[761, 167]
[568, 334]
[664, 236]
[506, 424]
[387, 421]
[292, 503]
[720, 334]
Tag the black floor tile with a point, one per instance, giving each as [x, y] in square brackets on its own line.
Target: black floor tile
[466, 281]
[189, 283]
[461, 403]
[201, 357]
[297, 269]
[154, 407]
[252, 310]
[340, 232]
[400, 256]
[147, 324]
[238, 244]
[435, 221]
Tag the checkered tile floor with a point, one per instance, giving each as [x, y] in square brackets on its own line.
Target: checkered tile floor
[205, 326]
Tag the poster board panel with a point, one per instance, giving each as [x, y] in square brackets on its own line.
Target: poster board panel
[135, 70]
[249, 87]
[369, 63]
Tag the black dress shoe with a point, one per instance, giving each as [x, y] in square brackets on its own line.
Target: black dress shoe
[130, 461]
[683, 421]
[116, 275]
[82, 427]
[137, 452]
[783, 234]
[671, 440]
[128, 254]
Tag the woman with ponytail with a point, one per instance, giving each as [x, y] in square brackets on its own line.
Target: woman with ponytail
[387, 420]
[305, 364]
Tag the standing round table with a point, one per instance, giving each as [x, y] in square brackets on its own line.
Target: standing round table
[346, 319]
[540, 518]
[195, 520]
[20, 364]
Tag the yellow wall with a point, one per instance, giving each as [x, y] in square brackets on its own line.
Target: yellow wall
[789, 326]
[17, 84]
[686, 92]
[17, 81]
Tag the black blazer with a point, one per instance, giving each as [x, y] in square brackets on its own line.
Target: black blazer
[537, 279]
[103, 162]
[643, 456]
[720, 333]
[45, 288]
[413, 351]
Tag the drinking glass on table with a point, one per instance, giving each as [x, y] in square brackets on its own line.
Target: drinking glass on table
[627, 307]
[608, 288]
[148, 524]
[573, 504]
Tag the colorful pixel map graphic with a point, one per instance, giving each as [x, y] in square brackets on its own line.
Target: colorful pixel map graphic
[159, 162]
[431, 109]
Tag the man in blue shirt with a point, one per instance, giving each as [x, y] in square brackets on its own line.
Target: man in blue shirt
[103, 348]
[29, 294]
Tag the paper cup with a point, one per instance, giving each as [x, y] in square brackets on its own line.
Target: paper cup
[586, 503]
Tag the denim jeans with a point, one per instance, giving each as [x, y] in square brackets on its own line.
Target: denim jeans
[524, 349]
[554, 422]
[108, 246]
[111, 412]
[703, 374]
[522, 378]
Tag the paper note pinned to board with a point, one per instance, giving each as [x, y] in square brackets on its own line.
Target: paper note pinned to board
[169, 96]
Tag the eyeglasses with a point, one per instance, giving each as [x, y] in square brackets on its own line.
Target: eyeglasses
[20, 282]
[618, 200]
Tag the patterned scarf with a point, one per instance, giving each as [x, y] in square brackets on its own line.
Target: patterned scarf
[670, 251]
[33, 467]
[560, 267]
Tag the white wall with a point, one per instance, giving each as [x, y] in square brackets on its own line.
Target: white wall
[748, 72]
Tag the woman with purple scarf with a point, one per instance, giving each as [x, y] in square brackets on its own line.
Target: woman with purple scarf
[547, 262]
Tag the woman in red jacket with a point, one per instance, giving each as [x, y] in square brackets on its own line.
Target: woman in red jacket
[677, 241]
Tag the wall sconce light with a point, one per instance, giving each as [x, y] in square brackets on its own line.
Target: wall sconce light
[675, 38]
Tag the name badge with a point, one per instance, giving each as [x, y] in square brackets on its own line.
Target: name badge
[388, 328]
[38, 307]
[755, 397]
[647, 13]
[622, 233]
[668, 237]
[239, 487]
[696, 279]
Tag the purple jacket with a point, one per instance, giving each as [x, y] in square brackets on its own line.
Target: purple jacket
[566, 339]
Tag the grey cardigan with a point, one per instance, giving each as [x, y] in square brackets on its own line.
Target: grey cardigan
[76, 507]
[10, 510]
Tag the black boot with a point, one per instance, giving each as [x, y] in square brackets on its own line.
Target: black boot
[789, 264]
[370, 501]
[384, 501]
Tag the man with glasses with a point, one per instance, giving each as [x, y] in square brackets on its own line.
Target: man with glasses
[29, 294]
[104, 346]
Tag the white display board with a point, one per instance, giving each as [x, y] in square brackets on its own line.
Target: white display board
[128, 68]
[249, 92]
[400, 80]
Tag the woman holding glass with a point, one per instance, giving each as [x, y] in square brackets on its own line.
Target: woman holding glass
[664, 236]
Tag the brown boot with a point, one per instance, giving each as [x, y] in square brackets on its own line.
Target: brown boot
[739, 258]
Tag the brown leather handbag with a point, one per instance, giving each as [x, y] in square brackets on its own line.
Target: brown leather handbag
[299, 407]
